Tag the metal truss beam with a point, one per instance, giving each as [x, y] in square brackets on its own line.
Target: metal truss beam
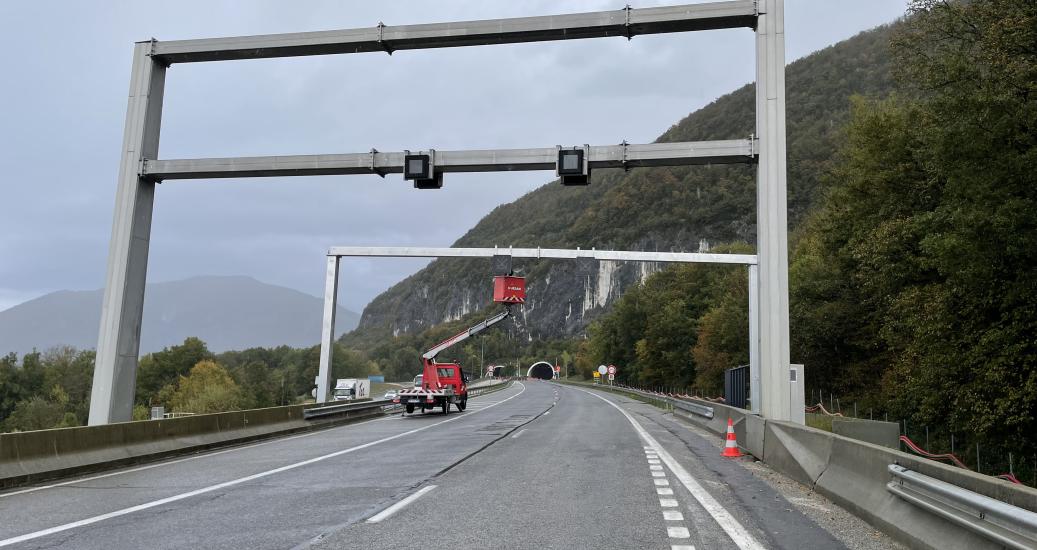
[491, 160]
[627, 22]
[538, 253]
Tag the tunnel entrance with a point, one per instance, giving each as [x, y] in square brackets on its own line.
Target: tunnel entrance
[542, 370]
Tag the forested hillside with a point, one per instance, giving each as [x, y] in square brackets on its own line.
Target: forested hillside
[676, 209]
[648, 209]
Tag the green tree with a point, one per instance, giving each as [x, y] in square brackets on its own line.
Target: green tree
[12, 385]
[207, 388]
[158, 369]
[41, 413]
[918, 268]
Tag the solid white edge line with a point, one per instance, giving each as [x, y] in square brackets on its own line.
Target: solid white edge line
[520, 432]
[738, 533]
[231, 483]
[384, 514]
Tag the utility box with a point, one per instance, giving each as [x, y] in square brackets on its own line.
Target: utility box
[797, 395]
[509, 290]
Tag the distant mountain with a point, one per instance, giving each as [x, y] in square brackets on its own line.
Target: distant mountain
[226, 312]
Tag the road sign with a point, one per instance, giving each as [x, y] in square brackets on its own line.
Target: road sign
[612, 376]
[612, 371]
[558, 368]
[602, 369]
[597, 374]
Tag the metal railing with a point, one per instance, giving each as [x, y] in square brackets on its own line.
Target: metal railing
[346, 407]
[387, 404]
[687, 406]
[1003, 523]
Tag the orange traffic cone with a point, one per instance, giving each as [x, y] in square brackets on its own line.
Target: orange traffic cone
[731, 447]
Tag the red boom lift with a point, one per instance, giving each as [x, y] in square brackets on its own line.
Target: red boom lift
[443, 384]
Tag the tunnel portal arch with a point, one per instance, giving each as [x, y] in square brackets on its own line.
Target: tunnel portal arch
[542, 370]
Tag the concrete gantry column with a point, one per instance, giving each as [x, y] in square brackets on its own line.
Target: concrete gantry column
[327, 338]
[772, 212]
[118, 341]
[754, 339]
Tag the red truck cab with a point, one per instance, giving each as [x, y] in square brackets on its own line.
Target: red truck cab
[441, 385]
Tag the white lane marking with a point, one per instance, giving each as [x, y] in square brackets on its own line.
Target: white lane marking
[384, 514]
[672, 515]
[653, 461]
[738, 533]
[547, 413]
[668, 502]
[678, 532]
[520, 432]
[655, 467]
[171, 462]
[663, 491]
[231, 483]
[681, 547]
[661, 481]
[658, 474]
[202, 454]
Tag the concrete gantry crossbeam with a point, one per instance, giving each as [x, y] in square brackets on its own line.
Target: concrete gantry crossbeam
[736, 151]
[540, 253]
[383, 38]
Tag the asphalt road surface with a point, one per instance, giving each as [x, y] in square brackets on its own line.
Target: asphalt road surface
[539, 465]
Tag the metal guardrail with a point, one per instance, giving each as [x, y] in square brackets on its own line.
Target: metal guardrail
[345, 407]
[386, 404]
[476, 392]
[1003, 523]
[681, 404]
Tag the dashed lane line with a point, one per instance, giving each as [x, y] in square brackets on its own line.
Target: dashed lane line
[735, 530]
[203, 454]
[231, 483]
[388, 512]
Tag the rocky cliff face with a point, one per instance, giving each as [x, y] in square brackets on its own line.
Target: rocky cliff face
[659, 209]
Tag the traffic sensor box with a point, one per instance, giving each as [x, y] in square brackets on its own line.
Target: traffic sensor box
[509, 290]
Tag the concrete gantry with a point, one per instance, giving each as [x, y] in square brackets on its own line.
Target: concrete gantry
[336, 253]
[122, 307]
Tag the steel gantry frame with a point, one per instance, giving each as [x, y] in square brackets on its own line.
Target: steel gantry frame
[336, 253]
[140, 168]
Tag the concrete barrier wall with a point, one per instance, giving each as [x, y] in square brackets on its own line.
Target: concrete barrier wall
[876, 432]
[854, 473]
[43, 454]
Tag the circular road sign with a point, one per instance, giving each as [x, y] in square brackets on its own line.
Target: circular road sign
[612, 369]
[602, 369]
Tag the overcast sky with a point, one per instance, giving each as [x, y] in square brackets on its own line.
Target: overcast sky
[63, 99]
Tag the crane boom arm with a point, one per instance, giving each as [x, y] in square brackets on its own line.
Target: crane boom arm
[464, 335]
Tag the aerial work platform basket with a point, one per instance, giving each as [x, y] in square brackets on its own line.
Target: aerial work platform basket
[509, 290]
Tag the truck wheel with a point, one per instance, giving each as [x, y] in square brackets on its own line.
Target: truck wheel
[410, 409]
[446, 407]
[462, 405]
